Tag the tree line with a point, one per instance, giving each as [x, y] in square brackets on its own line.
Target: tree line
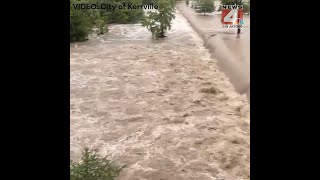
[82, 21]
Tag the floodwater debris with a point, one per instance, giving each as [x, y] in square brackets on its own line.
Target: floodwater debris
[210, 90]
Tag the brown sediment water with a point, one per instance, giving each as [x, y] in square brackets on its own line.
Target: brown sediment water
[161, 107]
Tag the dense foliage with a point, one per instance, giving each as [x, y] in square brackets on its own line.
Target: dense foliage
[125, 16]
[83, 20]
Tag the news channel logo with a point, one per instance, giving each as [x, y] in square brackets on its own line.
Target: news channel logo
[232, 16]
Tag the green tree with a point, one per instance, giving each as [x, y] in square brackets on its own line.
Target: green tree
[205, 6]
[79, 23]
[159, 21]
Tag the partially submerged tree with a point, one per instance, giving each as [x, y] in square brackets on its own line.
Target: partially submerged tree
[80, 24]
[159, 21]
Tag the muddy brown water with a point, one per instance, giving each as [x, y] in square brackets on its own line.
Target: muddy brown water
[162, 108]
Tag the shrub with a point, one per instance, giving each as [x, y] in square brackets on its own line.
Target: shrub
[93, 167]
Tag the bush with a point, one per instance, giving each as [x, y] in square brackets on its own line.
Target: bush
[93, 167]
[79, 27]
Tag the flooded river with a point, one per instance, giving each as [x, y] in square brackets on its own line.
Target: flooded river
[161, 107]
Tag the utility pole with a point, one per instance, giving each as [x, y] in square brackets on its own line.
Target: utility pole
[238, 30]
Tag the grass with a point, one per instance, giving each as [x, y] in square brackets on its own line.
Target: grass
[93, 167]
